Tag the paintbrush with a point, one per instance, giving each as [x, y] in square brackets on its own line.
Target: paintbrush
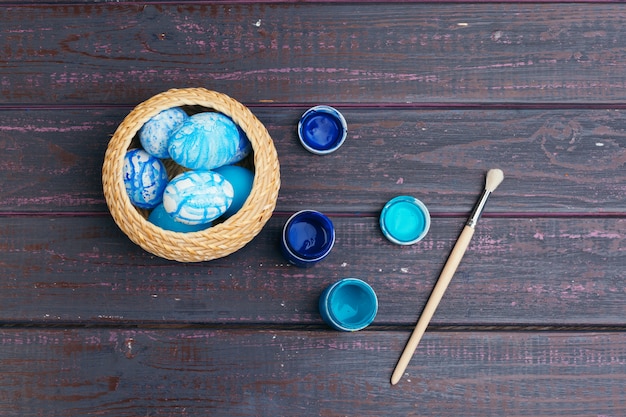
[493, 179]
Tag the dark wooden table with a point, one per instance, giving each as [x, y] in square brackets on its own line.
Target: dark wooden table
[435, 94]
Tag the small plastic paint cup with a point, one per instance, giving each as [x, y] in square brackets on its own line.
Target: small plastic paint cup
[308, 237]
[348, 305]
[404, 220]
[322, 130]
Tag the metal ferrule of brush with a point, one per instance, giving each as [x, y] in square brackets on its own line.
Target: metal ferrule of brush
[478, 209]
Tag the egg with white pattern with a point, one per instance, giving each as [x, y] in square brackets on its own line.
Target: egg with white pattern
[208, 140]
[197, 197]
[154, 135]
[145, 178]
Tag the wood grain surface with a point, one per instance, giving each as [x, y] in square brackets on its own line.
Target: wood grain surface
[314, 52]
[556, 161]
[435, 94]
[275, 372]
[547, 272]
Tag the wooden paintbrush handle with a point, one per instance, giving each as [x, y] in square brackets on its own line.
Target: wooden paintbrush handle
[433, 301]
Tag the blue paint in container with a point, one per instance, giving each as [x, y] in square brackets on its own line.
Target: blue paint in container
[322, 130]
[404, 220]
[348, 305]
[308, 237]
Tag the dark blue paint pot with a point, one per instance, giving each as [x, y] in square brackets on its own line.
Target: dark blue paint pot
[348, 305]
[308, 237]
[322, 130]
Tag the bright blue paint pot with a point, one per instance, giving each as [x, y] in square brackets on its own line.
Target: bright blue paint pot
[348, 305]
[404, 220]
[308, 237]
[322, 130]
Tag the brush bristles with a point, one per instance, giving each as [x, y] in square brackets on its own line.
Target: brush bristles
[494, 178]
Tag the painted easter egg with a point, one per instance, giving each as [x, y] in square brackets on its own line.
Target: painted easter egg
[244, 148]
[155, 133]
[206, 141]
[160, 217]
[197, 197]
[241, 179]
[145, 178]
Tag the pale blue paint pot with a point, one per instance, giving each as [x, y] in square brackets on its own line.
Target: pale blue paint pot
[348, 305]
[405, 220]
[322, 130]
[308, 237]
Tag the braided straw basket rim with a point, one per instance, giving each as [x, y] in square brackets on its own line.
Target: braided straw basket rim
[217, 241]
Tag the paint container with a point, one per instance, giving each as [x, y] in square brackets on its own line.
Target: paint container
[404, 220]
[322, 130]
[308, 237]
[348, 305]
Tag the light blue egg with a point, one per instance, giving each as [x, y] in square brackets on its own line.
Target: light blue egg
[156, 132]
[241, 179]
[244, 148]
[197, 197]
[145, 178]
[208, 140]
[159, 217]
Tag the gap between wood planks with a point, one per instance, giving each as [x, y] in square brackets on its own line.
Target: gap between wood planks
[355, 215]
[618, 105]
[166, 2]
[433, 328]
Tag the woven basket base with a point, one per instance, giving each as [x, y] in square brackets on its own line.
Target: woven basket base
[217, 241]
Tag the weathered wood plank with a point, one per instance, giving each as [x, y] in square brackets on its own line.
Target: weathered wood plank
[309, 53]
[555, 161]
[548, 272]
[53, 159]
[303, 373]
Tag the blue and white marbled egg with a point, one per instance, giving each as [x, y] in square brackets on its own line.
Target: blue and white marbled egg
[154, 135]
[197, 197]
[160, 217]
[241, 179]
[145, 178]
[208, 140]
[244, 148]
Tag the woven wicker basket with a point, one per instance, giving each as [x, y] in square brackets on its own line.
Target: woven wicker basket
[221, 239]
